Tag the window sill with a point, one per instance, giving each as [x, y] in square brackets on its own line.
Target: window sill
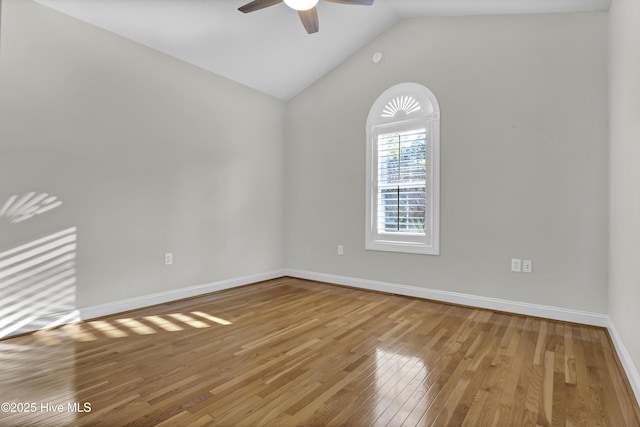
[404, 247]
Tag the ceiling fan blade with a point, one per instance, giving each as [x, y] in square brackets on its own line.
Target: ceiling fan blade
[309, 19]
[257, 5]
[354, 2]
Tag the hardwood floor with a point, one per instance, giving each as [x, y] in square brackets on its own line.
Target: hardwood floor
[289, 352]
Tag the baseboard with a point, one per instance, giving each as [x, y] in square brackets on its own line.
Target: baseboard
[625, 358]
[91, 312]
[548, 312]
[173, 295]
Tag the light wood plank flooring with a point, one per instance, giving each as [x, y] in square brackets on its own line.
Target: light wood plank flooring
[289, 352]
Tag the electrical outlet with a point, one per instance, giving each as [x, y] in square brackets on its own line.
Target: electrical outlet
[340, 250]
[527, 266]
[168, 258]
[516, 265]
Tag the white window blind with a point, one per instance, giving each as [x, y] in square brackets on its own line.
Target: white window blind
[402, 182]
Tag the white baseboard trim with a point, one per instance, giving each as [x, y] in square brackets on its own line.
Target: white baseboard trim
[537, 310]
[91, 312]
[114, 307]
[625, 358]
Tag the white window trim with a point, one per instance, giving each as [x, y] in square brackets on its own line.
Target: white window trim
[428, 117]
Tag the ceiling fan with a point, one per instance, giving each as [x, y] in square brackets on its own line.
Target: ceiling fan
[306, 9]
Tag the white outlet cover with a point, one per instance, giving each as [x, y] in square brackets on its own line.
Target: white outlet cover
[516, 265]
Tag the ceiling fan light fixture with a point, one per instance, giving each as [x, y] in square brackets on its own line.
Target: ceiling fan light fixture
[301, 4]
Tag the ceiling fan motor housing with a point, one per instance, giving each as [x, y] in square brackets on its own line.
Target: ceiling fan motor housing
[306, 9]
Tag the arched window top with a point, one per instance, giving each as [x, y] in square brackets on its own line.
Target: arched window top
[400, 106]
[403, 101]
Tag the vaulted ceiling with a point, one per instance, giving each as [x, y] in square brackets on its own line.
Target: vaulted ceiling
[269, 49]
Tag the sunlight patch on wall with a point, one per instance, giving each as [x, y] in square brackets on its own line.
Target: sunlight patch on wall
[18, 209]
[38, 283]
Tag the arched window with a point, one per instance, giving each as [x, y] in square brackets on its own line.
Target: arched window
[403, 168]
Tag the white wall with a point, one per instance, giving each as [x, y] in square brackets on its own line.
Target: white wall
[149, 155]
[624, 119]
[524, 158]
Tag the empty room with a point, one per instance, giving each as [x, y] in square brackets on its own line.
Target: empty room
[319, 212]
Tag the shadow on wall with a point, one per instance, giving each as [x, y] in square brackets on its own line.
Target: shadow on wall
[38, 278]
